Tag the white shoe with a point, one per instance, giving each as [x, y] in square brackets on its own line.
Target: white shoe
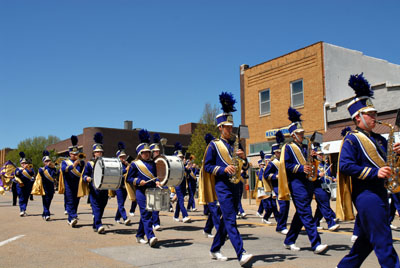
[127, 221]
[156, 227]
[141, 240]
[243, 215]
[245, 258]
[334, 227]
[259, 215]
[73, 222]
[320, 249]
[208, 235]
[186, 219]
[101, 230]
[393, 227]
[22, 214]
[131, 214]
[194, 209]
[118, 221]
[176, 219]
[171, 210]
[65, 212]
[153, 241]
[292, 247]
[266, 222]
[218, 255]
[284, 231]
[353, 238]
[320, 228]
[47, 218]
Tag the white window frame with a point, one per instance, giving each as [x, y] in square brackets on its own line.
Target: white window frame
[260, 103]
[291, 92]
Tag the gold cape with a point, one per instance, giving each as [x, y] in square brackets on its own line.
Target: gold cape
[37, 188]
[344, 206]
[207, 192]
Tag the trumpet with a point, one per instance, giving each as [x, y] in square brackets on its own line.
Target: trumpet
[82, 156]
[29, 166]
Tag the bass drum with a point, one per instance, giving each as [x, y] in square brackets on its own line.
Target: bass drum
[107, 174]
[170, 170]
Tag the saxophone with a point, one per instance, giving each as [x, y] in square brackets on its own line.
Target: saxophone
[313, 175]
[236, 162]
[392, 183]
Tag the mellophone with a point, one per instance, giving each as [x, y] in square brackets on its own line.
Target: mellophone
[108, 175]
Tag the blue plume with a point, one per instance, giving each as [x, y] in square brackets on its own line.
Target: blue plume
[360, 85]
[156, 138]
[208, 138]
[46, 153]
[294, 115]
[279, 137]
[178, 146]
[345, 130]
[74, 140]
[228, 102]
[22, 154]
[98, 138]
[144, 136]
[121, 145]
[262, 155]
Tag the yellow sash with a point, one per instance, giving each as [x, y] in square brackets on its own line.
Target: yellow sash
[130, 189]
[344, 206]
[224, 153]
[207, 193]
[275, 162]
[283, 186]
[61, 185]
[26, 174]
[83, 187]
[143, 169]
[299, 155]
[47, 175]
[37, 188]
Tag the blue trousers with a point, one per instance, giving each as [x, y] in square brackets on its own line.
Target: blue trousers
[270, 207]
[71, 202]
[191, 191]
[302, 193]
[374, 232]
[46, 201]
[23, 195]
[228, 198]
[240, 193]
[283, 213]
[98, 201]
[146, 222]
[121, 197]
[180, 204]
[260, 208]
[155, 216]
[214, 217]
[323, 207]
[133, 206]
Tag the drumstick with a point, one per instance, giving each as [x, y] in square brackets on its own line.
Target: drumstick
[153, 179]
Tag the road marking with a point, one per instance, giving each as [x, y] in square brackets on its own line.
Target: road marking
[10, 240]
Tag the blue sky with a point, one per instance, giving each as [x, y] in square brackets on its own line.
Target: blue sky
[67, 65]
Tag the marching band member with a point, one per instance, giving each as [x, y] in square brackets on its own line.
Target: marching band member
[143, 174]
[361, 177]
[212, 209]
[191, 181]
[322, 196]
[122, 192]
[261, 166]
[217, 171]
[293, 169]
[24, 176]
[269, 202]
[180, 191]
[44, 184]
[240, 185]
[98, 198]
[271, 172]
[155, 152]
[71, 171]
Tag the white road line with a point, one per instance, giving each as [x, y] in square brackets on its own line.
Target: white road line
[10, 240]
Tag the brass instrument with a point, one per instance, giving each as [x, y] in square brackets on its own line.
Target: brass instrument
[82, 156]
[29, 166]
[313, 175]
[236, 162]
[392, 183]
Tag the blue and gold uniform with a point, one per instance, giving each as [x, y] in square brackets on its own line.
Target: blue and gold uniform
[192, 171]
[268, 202]
[69, 181]
[293, 180]
[25, 177]
[218, 186]
[362, 169]
[181, 190]
[143, 174]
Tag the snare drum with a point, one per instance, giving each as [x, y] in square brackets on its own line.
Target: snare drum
[170, 170]
[157, 199]
[262, 194]
[333, 187]
[107, 174]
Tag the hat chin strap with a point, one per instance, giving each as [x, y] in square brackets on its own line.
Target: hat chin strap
[363, 121]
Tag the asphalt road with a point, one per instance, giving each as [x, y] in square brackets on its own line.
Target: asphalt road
[31, 242]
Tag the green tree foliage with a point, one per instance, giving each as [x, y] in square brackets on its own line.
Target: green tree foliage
[33, 149]
[207, 124]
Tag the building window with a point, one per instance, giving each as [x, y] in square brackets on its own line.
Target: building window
[265, 102]
[257, 147]
[297, 95]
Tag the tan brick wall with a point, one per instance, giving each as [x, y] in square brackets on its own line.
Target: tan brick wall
[277, 74]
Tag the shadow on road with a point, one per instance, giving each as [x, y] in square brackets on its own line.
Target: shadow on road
[174, 243]
[271, 258]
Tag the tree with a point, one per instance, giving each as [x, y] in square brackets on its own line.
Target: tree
[33, 149]
[207, 124]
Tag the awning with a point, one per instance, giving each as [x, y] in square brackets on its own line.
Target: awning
[331, 147]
